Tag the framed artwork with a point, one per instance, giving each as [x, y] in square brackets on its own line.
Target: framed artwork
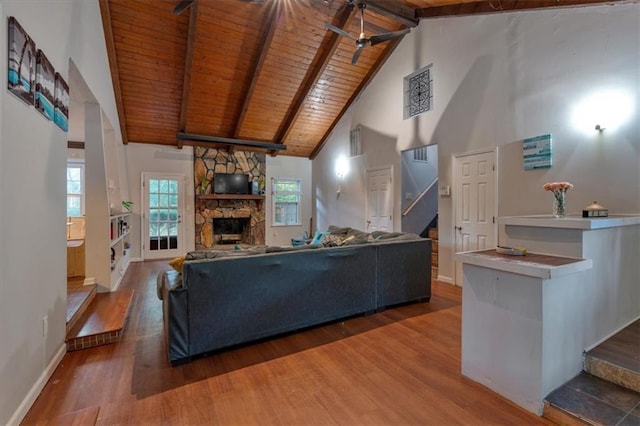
[45, 85]
[537, 152]
[61, 103]
[22, 62]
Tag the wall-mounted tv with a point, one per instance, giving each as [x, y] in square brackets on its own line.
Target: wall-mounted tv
[230, 183]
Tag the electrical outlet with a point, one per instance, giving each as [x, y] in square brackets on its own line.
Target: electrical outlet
[45, 325]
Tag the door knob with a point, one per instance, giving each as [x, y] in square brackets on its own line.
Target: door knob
[459, 228]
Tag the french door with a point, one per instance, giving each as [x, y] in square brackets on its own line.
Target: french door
[162, 215]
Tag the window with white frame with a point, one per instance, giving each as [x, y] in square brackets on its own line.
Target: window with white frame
[75, 189]
[285, 199]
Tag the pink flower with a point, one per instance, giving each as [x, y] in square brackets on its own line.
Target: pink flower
[557, 186]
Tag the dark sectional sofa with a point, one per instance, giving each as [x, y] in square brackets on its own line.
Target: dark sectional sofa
[225, 299]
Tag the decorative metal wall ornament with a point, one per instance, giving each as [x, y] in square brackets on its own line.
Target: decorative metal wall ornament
[418, 92]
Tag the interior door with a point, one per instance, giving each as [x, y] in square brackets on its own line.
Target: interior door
[475, 206]
[162, 215]
[380, 200]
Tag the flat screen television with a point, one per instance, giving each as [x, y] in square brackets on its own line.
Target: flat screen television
[230, 183]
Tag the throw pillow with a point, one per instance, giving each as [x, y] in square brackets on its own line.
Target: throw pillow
[317, 238]
[330, 240]
[177, 263]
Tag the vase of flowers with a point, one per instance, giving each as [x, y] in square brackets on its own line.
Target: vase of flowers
[559, 190]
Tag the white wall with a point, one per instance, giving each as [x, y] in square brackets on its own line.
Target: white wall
[498, 79]
[293, 168]
[144, 158]
[33, 158]
[140, 158]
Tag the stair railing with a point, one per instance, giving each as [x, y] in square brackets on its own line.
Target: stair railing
[418, 198]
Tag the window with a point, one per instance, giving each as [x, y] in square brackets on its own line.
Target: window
[75, 189]
[286, 194]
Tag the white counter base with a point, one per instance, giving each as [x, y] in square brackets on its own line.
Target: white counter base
[515, 316]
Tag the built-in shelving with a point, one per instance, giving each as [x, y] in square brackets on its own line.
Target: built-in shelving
[119, 231]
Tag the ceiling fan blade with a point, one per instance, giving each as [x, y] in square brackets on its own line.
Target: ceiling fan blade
[340, 31]
[356, 56]
[379, 38]
[182, 6]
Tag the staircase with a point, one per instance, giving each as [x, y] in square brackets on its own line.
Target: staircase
[433, 234]
[95, 319]
[607, 392]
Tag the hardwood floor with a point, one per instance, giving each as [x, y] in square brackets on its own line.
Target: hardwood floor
[399, 366]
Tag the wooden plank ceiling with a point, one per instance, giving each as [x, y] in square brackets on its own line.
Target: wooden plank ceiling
[255, 70]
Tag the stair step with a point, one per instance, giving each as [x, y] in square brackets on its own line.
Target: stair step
[593, 401]
[78, 298]
[84, 417]
[433, 233]
[103, 322]
[618, 358]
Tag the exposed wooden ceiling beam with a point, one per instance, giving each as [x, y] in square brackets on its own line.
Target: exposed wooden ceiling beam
[188, 65]
[315, 70]
[182, 6]
[268, 30]
[391, 46]
[105, 15]
[497, 6]
[394, 10]
[227, 141]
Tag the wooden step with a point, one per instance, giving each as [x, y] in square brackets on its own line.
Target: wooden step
[591, 400]
[617, 360]
[103, 322]
[78, 298]
[433, 233]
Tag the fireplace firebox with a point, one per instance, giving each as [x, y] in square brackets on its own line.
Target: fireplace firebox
[231, 230]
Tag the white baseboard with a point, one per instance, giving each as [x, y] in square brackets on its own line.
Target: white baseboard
[444, 279]
[89, 281]
[37, 387]
[137, 259]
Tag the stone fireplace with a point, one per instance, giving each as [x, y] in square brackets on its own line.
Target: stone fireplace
[230, 220]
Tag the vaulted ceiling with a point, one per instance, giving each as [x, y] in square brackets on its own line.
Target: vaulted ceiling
[259, 74]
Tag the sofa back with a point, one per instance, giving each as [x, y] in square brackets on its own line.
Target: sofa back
[232, 301]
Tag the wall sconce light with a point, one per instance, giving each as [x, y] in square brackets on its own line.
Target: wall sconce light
[609, 108]
[342, 170]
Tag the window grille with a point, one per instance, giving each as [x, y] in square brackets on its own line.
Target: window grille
[418, 92]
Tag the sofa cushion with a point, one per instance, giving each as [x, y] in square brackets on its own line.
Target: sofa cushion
[214, 254]
[279, 249]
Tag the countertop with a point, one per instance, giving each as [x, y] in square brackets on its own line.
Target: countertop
[532, 264]
[571, 222]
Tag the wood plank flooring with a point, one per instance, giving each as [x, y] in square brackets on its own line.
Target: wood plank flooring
[399, 366]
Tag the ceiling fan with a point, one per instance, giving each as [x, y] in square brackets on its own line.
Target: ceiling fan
[363, 41]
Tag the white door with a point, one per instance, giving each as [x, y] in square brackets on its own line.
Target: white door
[475, 206]
[162, 215]
[380, 200]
